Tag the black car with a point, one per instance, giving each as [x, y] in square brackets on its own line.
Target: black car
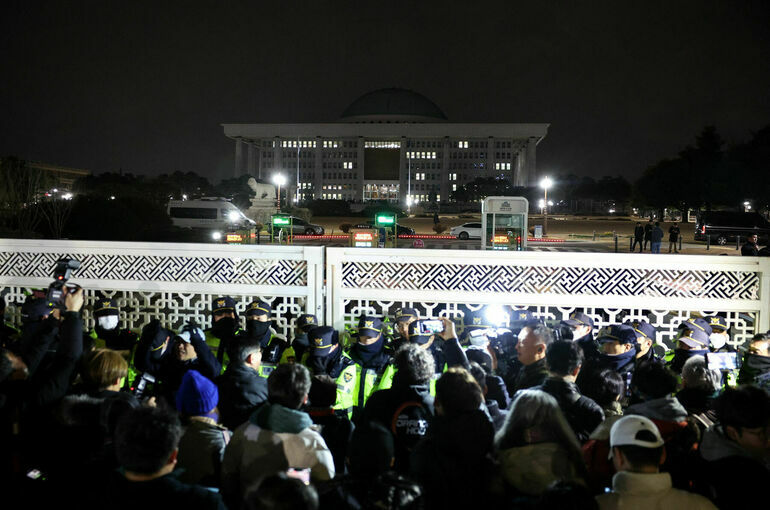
[402, 230]
[726, 226]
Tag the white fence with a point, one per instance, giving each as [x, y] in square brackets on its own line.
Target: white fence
[172, 282]
[663, 289]
[177, 282]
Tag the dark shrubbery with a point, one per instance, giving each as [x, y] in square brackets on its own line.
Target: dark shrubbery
[329, 207]
[124, 219]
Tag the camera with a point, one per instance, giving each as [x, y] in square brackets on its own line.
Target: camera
[429, 326]
[61, 274]
[141, 386]
[562, 332]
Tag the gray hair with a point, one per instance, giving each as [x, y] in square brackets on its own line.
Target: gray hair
[696, 375]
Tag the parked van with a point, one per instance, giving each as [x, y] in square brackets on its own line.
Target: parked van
[209, 213]
[726, 226]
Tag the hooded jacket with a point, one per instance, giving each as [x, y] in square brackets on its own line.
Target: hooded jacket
[275, 438]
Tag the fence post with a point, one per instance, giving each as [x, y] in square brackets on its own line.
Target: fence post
[616, 242]
[680, 243]
[738, 242]
[708, 241]
[630, 244]
[594, 238]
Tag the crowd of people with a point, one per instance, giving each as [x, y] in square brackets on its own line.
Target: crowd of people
[403, 411]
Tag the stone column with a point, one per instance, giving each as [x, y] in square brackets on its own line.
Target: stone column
[251, 161]
[531, 162]
[358, 184]
[238, 168]
[318, 168]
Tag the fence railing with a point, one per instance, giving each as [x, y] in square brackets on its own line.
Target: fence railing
[177, 282]
[172, 282]
[663, 289]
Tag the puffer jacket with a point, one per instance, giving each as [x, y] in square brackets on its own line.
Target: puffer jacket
[532, 468]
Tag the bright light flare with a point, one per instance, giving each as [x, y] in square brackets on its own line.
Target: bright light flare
[496, 315]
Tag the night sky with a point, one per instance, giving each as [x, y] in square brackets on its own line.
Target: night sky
[144, 86]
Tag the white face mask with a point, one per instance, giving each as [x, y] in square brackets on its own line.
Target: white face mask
[108, 322]
[718, 340]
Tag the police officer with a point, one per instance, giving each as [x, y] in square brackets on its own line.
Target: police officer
[444, 346]
[692, 340]
[224, 326]
[720, 335]
[473, 320]
[107, 331]
[372, 370]
[258, 326]
[582, 326]
[403, 318]
[300, 343]
[645, 340]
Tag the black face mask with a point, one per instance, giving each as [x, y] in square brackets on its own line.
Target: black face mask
[757, 363]
[682, 355]
[224, 327]
[618, 361]
[259, 330]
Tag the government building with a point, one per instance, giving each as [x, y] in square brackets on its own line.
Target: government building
[390, 144]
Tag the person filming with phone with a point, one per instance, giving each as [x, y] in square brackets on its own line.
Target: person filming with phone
[439, 337]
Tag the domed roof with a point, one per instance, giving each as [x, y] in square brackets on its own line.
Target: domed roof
[393, 105]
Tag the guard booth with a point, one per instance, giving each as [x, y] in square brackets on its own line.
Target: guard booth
[387, 226]
[504, 223]
[282, 227]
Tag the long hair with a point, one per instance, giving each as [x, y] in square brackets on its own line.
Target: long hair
[535, 417]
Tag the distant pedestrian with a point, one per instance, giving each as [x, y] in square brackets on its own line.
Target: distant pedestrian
[647, 234]
[638, 236]
[435, 218]
[750, 247]
[673, 238]
[656, 237]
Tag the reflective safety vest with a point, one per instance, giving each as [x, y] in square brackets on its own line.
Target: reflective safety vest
[214, 341]
[355, 384]
[287, 356]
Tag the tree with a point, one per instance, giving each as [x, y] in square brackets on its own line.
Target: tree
[20, 188]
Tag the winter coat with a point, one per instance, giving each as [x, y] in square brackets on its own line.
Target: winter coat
[648, 231]
[200, 453]
[337, 430]
[596, 453]
[656, 235]
[160, 493]
[453, 462]
[730, 475]
[404, 410]
[673, 234]
[639, 233]
[274, 439]
[498, 415]
[532, 468]
[497, 391]
[241, 391]
[581, 412]
[644, 491]
[531, 375]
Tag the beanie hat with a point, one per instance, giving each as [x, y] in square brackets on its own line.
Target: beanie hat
[197, 396]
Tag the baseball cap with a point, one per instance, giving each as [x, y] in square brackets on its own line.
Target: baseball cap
[521, 316]
[105, 306]
[626, 432]
[642, 329]
[475, 319]
[405, 314]
[321, 339]
[621, 333]
[717, 323]
[307, 321]
[223, 304]
[699, 333]
[415, 336]
[258, 308]
[369, 326]
[578, 319]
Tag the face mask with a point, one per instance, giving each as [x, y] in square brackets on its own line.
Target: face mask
[718, 340]
[224, 327]
[367, 352]
[257, 329]
[682, 355]
[618, 361]
[108, 322]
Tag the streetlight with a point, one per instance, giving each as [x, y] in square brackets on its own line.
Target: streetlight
[279, 180]
[545, 184]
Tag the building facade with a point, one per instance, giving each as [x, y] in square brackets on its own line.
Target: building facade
[390, 144]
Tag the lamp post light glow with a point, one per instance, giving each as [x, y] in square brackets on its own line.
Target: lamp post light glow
[545, 184]
[279, 180]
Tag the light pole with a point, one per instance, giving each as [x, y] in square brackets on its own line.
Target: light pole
[279, 180]
[409, 186]
[545, 184]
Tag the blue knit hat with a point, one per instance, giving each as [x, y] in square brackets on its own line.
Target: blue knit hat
[197, 396]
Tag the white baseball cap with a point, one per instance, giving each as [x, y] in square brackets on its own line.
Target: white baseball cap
[624, 432]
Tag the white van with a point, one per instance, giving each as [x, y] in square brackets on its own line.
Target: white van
[210, 213]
